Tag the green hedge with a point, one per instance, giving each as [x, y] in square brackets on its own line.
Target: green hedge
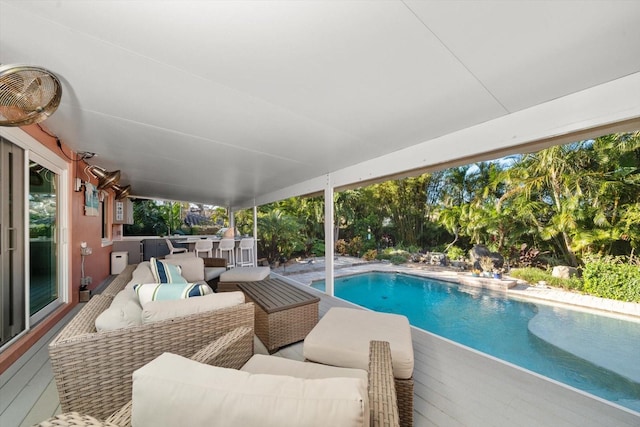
[606, 279]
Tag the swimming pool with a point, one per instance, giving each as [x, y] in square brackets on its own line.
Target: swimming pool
[596, 354]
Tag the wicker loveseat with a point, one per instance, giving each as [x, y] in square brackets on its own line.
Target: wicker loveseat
[93, 369]
[232, 351]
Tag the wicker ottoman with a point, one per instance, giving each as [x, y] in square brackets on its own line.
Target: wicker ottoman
[229, 280]
[284, 314]
[341, 338]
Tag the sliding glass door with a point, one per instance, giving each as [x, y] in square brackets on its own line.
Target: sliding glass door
[12, 248]
[33, 233]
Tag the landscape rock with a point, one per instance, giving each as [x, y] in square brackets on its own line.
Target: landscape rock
[480, 251]
[564, 271]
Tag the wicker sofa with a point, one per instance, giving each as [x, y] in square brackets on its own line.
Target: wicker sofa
[93, 369]
[232, 351]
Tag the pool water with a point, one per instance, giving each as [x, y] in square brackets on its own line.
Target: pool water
[596, 354]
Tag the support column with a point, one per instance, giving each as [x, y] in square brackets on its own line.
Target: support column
[255, 235]
[329, 246]
[232, 220]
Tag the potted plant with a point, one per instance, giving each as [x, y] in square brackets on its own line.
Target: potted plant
[486, 264]
[497, 273]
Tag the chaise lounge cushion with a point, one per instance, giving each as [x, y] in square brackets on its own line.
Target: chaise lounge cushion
[213, 396]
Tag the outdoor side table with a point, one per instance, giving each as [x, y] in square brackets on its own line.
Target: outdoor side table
[284, 314]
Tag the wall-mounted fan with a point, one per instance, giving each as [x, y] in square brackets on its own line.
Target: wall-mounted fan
[27, 94]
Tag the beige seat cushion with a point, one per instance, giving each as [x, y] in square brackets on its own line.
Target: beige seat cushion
[341, 338]
[192, 267]
[155, 311]
[245, 274]
[263, 364]
[172, 390]
[213, 272]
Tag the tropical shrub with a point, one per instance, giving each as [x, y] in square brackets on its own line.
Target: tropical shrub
[279, 235]
[341, 247]
[355, 246]
[370, 255]
[534, 275]
[398, 259]
[455, 253]
[317, 247]
[611, 277]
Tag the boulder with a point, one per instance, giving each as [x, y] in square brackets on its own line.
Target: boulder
[564, 271]
[479, 251]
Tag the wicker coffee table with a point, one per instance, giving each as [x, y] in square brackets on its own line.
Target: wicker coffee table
[284, 314]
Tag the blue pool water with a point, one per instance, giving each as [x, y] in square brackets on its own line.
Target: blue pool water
[596, 354]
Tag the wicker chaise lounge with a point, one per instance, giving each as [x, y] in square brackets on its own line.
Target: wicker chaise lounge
[93, 369]
[234, 349]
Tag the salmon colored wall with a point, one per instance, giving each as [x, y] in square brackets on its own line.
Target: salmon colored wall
[82, 229]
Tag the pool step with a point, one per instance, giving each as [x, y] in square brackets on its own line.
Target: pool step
[597, 342]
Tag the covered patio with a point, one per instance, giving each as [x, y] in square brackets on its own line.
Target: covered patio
[239, 104]
[454, 386]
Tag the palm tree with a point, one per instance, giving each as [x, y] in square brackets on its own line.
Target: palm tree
[552, 177]
[279, 235]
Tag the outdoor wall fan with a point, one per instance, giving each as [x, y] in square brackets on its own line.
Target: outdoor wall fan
[105, 179]
[121, 192]
[28, 94]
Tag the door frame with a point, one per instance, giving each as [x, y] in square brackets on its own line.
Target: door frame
[38, 152]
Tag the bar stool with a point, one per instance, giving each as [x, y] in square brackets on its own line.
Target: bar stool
[227, 246]
[205, 246]
[245, 247]
[174, 250]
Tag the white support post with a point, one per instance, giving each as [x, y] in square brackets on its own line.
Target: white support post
[232, 220]
[255, 235]
[329, 247]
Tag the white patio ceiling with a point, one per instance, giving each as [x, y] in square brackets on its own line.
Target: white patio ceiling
[237, 102]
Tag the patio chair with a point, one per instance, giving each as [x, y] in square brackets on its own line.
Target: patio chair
[174, 250]
[93, 369]
[232, 351]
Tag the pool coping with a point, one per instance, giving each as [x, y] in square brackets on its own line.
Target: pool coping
[510, 286]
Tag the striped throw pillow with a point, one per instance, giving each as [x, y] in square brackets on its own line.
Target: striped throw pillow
[163, 272]
[169, 291]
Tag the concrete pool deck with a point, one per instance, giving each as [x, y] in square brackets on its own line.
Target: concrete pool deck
[311, 270]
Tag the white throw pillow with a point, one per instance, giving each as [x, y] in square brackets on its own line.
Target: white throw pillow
[123, 296]
[165, 272]
[148, 292]
[123, 315]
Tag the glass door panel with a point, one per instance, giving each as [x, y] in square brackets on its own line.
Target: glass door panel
[43, 211]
